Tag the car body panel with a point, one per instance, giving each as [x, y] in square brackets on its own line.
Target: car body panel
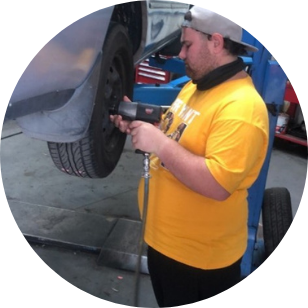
[68, 123]
[66, 60]
[46, 101]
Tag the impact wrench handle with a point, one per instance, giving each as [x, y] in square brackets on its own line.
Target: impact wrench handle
[132, 111]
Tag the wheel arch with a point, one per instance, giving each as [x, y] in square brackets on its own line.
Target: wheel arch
[125, 14]
[71, 122]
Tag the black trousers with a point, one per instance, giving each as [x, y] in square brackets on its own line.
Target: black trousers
[177, 284]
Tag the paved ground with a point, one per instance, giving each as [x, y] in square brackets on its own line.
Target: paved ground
[45, 202]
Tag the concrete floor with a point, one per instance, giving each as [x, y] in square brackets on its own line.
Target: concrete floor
[47, 203]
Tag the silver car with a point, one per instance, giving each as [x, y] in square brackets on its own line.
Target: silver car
[65, 94]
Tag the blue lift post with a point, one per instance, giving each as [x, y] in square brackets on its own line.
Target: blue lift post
[270, 81]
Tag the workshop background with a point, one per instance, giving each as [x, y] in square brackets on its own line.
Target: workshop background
[26, 166]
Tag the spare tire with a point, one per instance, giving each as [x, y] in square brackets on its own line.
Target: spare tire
[97, 154]
[276, 217]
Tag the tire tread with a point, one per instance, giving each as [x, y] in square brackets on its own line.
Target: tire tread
[277, 217]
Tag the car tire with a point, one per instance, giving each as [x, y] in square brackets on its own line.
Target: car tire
[97, 154]
[276, 217]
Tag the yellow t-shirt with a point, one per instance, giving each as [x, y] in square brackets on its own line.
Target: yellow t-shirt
[228, 125]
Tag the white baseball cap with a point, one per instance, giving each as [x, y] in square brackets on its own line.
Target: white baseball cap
[209, 22]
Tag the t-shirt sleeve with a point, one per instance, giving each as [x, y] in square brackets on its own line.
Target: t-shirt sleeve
[234, 150]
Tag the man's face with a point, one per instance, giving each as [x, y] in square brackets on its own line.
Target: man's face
[196, 53]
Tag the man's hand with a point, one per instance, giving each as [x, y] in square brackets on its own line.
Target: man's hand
[146, 137]
[118, 121]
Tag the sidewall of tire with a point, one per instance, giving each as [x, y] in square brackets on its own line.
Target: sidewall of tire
[104, 158]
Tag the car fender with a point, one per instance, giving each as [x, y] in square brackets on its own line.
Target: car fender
[70, 122]
[55, 96]
[61, 66]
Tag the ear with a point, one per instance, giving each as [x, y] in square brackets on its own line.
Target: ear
[217, 42]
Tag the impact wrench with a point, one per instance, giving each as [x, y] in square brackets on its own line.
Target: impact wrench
[132, 111]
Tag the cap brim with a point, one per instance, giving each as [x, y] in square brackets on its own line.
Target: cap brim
[248, 46]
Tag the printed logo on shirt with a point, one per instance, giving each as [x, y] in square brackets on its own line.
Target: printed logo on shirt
[186, 114]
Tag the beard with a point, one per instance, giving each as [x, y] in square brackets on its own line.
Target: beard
[195, 74]
[198, 70]
[192, 73]
[189, 71]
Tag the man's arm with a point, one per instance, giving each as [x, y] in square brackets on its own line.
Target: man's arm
[187, 167]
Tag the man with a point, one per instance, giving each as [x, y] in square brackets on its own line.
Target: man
[208, 152]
